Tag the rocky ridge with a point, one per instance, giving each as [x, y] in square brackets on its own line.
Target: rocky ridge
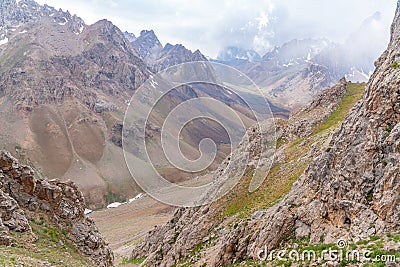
[148, 46]
[25, 197]
[159, 57]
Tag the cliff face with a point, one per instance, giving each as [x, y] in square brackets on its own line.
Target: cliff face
[24, 198]
[350, 190]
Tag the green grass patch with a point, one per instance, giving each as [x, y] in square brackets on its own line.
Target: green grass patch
[353, 94]
[374, 237]
[126, 261]
[112, 197]
[50, 249]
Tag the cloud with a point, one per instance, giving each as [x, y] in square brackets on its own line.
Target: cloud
[211, 25]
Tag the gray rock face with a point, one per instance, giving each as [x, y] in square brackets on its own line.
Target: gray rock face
[12, 219]
[302, 121]
[176, 54]
[14, 14]
[148, 46]
[62, 202]
[349, 192]
[157, 57]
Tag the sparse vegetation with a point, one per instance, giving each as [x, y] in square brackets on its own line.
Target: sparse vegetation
[112, 197]
[353, 94]
[388, 129]
[395, 65]
[126, 261]
[369, 196]
[51, 248]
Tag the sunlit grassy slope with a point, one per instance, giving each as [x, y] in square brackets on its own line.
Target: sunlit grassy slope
[51, 249]
[282, 176]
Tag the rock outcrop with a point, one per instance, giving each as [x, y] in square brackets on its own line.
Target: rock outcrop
[172, 55]
[159, 57]
[12, 219]
[302, 122]
[23, 195]
[349, 191]
[148, 46]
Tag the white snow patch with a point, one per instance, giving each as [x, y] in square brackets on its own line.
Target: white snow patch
[4, 41]
[309, 56]
[153, 83]
[88, 211]
[141, 195]
[80, 30]
[63, 23]
[289, 64]
[24, 31]
[52, 14]
[365, 75]
[357, 76]
[114, 205]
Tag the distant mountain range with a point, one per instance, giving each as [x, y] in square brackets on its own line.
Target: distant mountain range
[159, 57]
[292, 74]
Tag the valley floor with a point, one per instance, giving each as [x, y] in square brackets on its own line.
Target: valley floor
[124, 226]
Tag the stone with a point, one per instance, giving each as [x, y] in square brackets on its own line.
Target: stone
[60, 201]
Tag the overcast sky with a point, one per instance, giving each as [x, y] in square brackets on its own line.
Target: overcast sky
[210, 25]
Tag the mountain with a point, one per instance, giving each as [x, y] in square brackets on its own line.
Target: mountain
[287, 75]
[294, 73]
[172, 55]
[44, 223]
[345, 186]
[233, 53]
[63, 89]
[296, 52]
[159, 57]
[148, 46]
[355, 58]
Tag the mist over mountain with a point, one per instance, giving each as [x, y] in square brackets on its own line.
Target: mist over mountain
[232, 53]
[293, 73]
[355, 58]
